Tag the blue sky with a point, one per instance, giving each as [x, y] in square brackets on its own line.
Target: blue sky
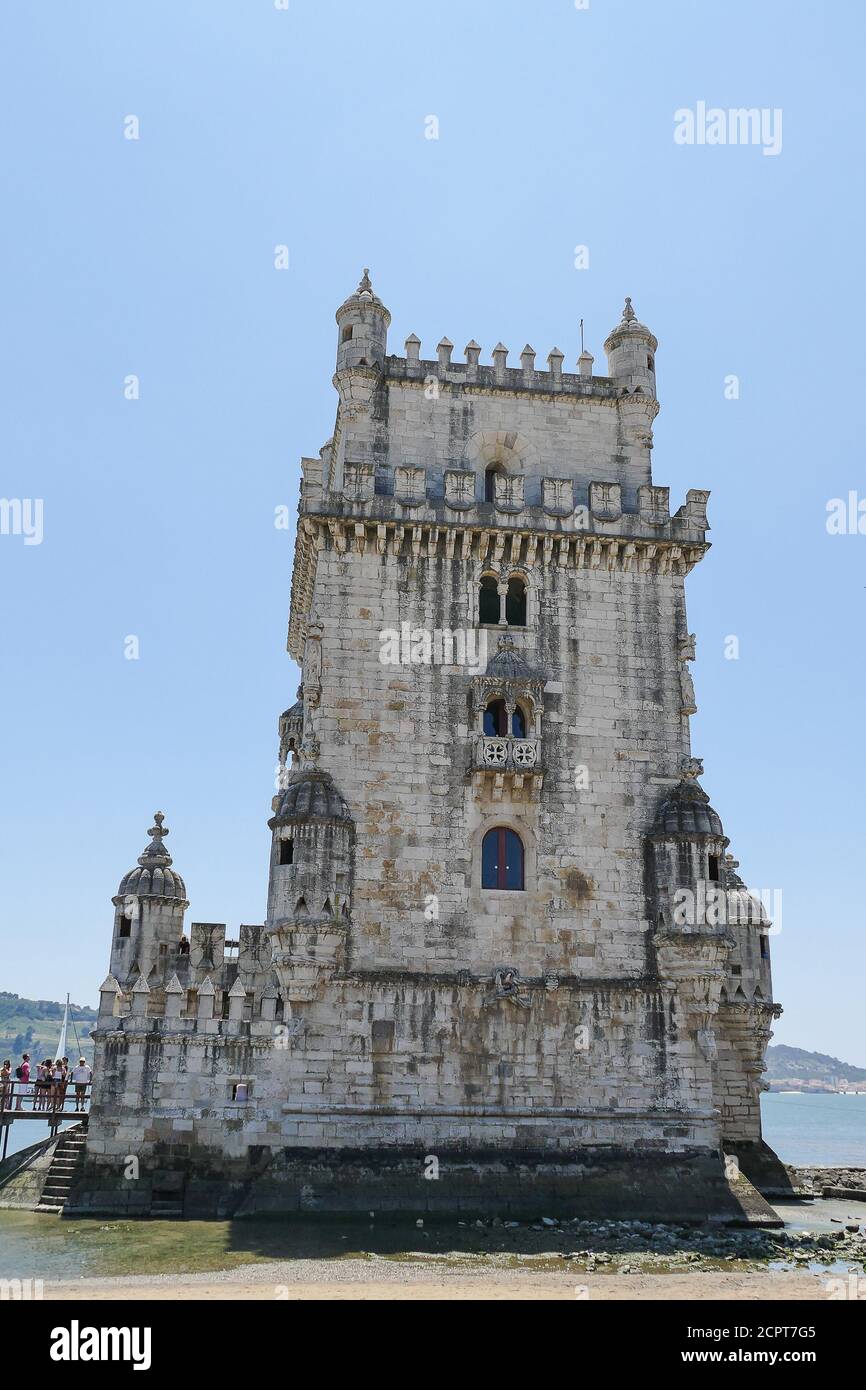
[306, 127]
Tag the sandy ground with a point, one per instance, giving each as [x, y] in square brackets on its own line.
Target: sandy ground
[356, 1280]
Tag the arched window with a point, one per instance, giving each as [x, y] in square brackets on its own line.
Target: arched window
[502, 859]
[496, 719]
[488, 600]
[515, 603]
[490, 483]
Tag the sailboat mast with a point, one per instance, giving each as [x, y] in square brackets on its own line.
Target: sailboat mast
[61, 1045]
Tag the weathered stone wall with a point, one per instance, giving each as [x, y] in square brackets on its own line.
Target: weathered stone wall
[399, 743]
[389, 1022]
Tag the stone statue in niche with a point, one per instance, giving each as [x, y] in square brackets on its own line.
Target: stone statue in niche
[686, 653]
[313, 664]
[507, 985]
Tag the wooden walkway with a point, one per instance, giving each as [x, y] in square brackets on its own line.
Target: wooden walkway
[53, 1117]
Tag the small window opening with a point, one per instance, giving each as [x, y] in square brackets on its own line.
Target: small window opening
[241, 1091]
[191, 1000]
[518, 723]
[347, 332]
[124, 927]
[714, 868]
[287, 851]
[488, 602]
[490, 484]
[765, 948]
[515, 603]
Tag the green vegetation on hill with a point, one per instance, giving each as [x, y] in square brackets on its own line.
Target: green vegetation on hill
[33, 1025]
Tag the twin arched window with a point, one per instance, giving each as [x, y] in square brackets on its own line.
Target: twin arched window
[496, 721]
[490, 602]
[502, 859]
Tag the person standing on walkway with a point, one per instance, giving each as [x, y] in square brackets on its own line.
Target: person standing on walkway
[22, 1079]
[81, 1077]
[5, 1085]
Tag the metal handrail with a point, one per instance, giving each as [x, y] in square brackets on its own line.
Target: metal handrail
[15, 1095]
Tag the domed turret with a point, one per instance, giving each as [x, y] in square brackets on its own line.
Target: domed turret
[310, 885]
[631, 349]
[310, 795]
[154, 876]
[688, 843]
[508, 664]
[291, 730]
[687, 813]
[149, 908]
[363, 323]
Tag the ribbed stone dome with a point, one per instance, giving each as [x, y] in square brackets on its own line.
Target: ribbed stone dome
[687, 811]
[311, 795]
[154, 876]
[629, 325]
[743, 906]
[508, 664]
[363, 297]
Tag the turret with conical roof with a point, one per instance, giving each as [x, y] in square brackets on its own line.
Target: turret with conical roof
[148, 911]
[631, 350]
[363, 322]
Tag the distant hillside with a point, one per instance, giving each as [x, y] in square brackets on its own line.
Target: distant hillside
[33, 1025]
[790, 1068]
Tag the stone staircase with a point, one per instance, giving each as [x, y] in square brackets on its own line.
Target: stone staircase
[68, 1156]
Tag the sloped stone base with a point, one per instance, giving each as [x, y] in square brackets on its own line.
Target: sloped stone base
[589, 1184]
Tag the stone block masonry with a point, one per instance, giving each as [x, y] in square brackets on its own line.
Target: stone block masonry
[471, 960]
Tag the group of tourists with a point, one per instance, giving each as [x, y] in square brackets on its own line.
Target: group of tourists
[44, 1084]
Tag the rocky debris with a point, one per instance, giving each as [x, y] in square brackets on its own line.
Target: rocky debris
[640, 1246]
[829, 1182]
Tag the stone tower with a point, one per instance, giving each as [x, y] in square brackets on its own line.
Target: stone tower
[494, 933]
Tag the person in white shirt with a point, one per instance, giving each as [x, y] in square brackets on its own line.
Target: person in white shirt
[82, 1077]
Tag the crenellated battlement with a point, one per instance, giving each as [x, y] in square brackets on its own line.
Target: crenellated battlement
[498, 376]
